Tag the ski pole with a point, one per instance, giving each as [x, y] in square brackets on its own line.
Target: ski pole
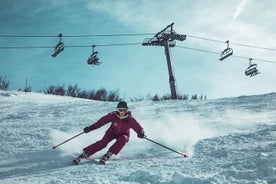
[184, 155]
[54, 147]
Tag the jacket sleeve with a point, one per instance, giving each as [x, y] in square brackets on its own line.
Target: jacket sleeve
[103, 120]
[136, 126]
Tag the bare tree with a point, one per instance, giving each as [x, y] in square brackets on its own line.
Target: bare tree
[4, 83]
[73, 90]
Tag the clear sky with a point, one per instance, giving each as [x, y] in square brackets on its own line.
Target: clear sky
[138, 70]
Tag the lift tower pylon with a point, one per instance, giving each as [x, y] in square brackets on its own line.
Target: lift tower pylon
[166, 38]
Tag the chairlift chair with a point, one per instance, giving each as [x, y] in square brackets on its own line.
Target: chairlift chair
[226, 52]
[251, 70]
[93, 59]
[58, 49]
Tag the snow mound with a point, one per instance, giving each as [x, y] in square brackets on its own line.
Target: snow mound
[230, 140]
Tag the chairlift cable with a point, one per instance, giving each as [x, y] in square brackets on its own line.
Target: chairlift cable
[26, 47]
[132, 34]
[200, 50]
[69, 46]
[255, 47]
[212, 52]
[255, 59]
[104, 45]
[110, 35]
[124, 44]
[76, 36]
[117, 44]
[208, 39]
[233, 43]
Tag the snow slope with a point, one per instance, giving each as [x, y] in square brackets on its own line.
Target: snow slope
[230, 140]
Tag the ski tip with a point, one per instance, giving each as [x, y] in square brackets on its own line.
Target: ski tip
[185, 155]
[54, 147]
[102, 162]
[75, 162]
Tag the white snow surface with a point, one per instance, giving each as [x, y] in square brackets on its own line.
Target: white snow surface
[231, 140]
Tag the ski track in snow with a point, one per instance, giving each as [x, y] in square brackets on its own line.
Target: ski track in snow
[231, 140]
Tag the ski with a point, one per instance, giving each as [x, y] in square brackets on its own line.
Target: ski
[102, 162]
[76, 161]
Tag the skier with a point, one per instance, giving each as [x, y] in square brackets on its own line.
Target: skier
[121, 122]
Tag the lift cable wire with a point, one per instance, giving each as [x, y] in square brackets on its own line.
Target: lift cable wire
[212, 52]
[69, 46]
[133, 34]
[27, 47]
[76, 36]
[128, 44]
[107, 45]
[233, 43]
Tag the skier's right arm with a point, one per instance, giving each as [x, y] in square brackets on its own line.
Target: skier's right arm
[102, 121]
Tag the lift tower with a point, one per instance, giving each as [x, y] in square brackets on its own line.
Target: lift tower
[166, 38]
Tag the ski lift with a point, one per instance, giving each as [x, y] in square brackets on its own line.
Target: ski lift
[59, 47]
[226, 52]
[252, 69]
[93, 59]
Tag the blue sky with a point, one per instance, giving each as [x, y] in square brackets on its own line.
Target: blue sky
[140, 70]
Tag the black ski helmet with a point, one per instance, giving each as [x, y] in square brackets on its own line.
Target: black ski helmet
[122, 104]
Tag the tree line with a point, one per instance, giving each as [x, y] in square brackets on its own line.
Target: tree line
[158, 97]
[101, 94]
[74, 91]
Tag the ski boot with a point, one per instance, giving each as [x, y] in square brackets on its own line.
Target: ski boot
[106, 157]
[77, 160]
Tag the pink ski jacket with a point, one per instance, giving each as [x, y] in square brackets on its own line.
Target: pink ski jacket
[120, 126]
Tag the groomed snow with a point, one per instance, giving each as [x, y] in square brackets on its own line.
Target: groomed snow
[230, 140]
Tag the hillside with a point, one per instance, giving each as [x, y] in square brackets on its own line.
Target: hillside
[231, 140]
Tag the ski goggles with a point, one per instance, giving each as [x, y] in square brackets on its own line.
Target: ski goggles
[122, 110]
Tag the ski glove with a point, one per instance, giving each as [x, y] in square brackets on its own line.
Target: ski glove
[141, 135]
[89, 128]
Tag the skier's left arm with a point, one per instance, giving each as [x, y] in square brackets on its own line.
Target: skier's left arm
[137, 128]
